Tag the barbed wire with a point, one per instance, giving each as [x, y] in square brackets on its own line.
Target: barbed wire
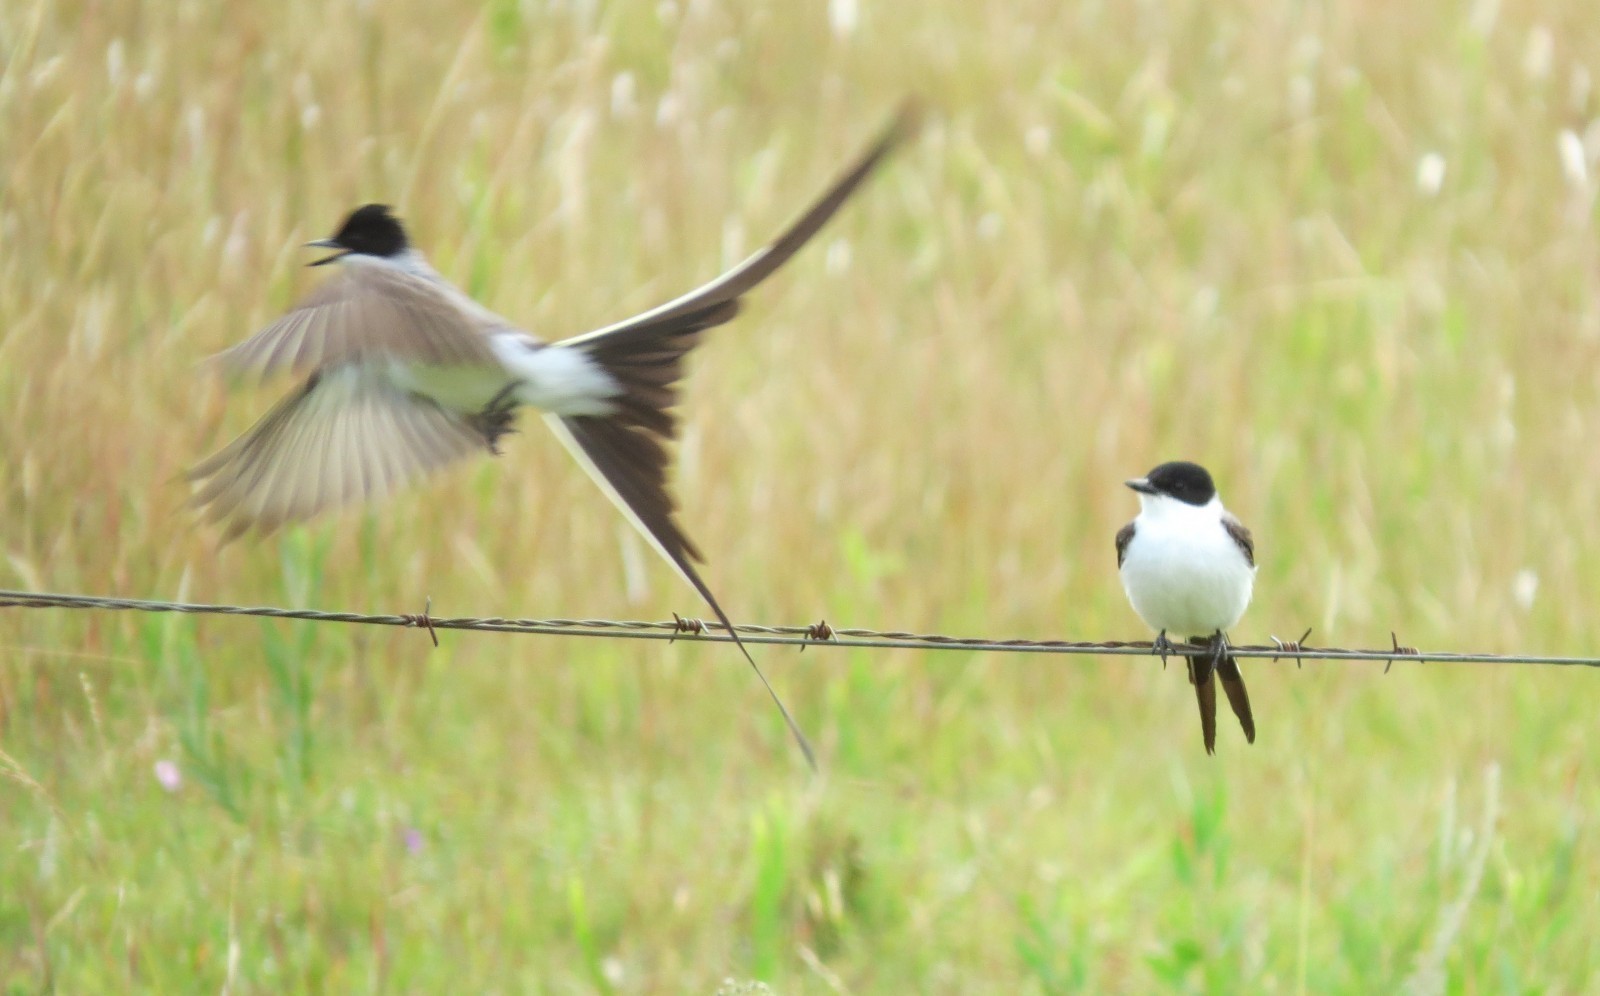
[819, 634]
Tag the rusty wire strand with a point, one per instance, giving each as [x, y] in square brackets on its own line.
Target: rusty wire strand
[820, 634]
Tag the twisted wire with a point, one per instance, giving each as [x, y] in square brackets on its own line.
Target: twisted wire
[819, 634]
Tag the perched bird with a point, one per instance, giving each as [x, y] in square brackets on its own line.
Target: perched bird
[1188, 567]
[404, 374]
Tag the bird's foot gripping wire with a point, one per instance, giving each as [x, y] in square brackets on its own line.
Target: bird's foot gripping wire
[1164, 647]
[1219, 648]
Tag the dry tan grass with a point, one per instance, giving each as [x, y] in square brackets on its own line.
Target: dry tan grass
[1127, 233]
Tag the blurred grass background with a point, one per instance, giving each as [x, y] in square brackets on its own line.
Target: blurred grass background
[1343, 254]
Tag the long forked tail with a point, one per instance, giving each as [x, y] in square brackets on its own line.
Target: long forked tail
[626, 451]
[630, 466]
[627, 454]
[1205, 693]
[764, 262]
[1232, 681]
[1202, 669]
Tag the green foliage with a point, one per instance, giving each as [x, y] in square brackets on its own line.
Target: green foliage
[769, 920]
[1129, 232]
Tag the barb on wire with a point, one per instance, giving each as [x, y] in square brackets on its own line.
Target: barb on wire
[686, 626]
[425, 620]
[1293, 648]
[817, 634]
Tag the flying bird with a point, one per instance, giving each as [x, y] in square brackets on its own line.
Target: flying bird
[404, 374]
[1189, 567]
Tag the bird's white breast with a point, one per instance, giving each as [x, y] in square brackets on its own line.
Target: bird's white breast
[1183, 572]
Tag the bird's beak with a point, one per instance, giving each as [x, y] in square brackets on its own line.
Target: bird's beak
[326, 244]
[1141, 485]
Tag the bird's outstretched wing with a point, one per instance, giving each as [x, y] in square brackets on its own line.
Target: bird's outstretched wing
[371, 309]
[348, 434]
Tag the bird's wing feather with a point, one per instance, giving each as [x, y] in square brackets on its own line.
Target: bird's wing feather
[369, 310]
[347, 435]
[1241, 536]
[1124, 537]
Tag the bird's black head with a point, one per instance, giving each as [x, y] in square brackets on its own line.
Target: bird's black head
[1188, 482]
[371, 230]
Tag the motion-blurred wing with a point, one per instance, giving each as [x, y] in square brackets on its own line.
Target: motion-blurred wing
[371, 309]
[347, 435]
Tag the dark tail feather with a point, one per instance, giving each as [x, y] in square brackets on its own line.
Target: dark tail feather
[1238, 698]
[764, 262]
[627, 451]
[646, 361]
[727, 624]
[1205, 693]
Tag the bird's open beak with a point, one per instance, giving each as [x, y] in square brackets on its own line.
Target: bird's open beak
[326, 244]
[1141, 485]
